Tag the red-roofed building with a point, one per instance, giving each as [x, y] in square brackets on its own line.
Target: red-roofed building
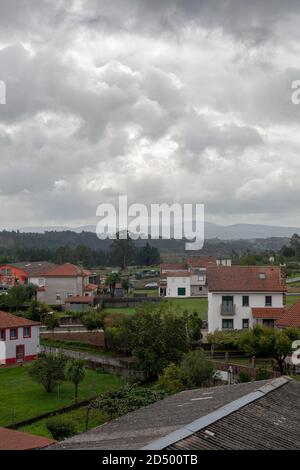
[240, 296]
[174, 280]
[19, 339]
[290, 317]
[63, 282]
[16, 440]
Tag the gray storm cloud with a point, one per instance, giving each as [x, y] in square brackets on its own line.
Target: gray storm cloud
[168, 100]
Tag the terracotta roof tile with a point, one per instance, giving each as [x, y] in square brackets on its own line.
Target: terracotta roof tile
[16, 440]
[91, 287]
[173, 267]
[7, 320]
[268, 312]
[177, 274]
[291, 317]
[201, 261]
[67, 270]
[245, 279]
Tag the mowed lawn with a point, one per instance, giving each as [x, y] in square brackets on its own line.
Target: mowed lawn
[192, 305]
[292, 299]
[21, 398]
[77, 417]
[199, 305]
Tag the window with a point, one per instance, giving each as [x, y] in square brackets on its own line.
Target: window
[245, 323]
[9, 272]
[2, 335]
[3, 272]
[27, 332]
[262, 276]
[13, 333]
[268, 301]
[245, 300]
[57, 296]
[181, 291]
[201, 278]
[269, 323]
[227, 324]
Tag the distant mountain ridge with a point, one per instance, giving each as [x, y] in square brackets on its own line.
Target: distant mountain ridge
[212, 231]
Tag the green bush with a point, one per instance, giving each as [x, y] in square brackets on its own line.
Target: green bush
[171, 381]
[243, 377]
[60, 428]
[262, 374]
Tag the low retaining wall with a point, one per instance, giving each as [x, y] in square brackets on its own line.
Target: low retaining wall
[95, 338]
[128, 301]
[125, 367]
[49, 414]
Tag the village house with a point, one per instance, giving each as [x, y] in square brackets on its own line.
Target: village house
[241, 296]
[19, 339]
[188, 279]
[64, 283]
[24, 273]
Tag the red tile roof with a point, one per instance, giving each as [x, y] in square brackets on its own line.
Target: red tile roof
[91, 287]
[173, 267]
[16, 440]
[290, 317]
[177, 274]
[67, 270]
[7, 320]
[245, 279]
[201, 261]
[268, 312]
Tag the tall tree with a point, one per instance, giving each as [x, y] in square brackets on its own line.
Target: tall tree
[75, 373]
[48, 370]
[122, 249]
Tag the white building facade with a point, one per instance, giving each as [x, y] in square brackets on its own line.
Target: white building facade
[234, 291]
[19, 339]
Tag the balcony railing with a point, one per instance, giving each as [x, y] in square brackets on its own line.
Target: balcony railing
[227, 309]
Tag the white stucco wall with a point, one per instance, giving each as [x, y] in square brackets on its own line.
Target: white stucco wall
[174, 283]
[8, 347]
[255, 300]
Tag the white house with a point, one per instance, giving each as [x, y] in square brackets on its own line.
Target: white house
[178, 284]
[19, 339]
[241, 296]
[174, 280]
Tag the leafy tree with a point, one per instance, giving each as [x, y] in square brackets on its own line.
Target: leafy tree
[267, 342]
[111, 281]
[147, 255]
[194, 326]
[48, 370]
[60, 428]
[171, 381]
[18, 296]
[156, 336]
[126, 399]
[122, 249]
[75, 373]
[197, 370]
[51, 321]
[93, 320]
[36, 310]
[125, 284]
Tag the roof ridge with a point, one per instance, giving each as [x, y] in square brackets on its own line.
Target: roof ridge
[216, 415]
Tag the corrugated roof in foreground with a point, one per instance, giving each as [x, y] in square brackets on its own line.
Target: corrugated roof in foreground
[137, 429]
[267, 422]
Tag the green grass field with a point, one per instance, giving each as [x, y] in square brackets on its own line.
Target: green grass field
[21, 398]
[192, 305]
[78, 417]
[292, 299]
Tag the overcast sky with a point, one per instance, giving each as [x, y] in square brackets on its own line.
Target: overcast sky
[162, 100]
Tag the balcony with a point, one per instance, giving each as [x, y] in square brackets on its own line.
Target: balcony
[227, 309]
